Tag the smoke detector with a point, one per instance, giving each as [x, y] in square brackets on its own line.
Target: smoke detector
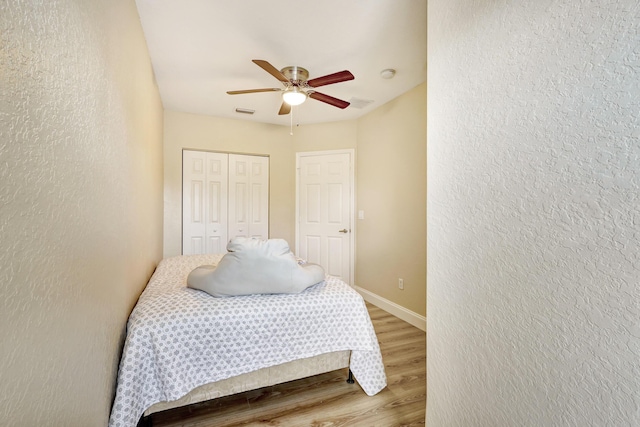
[388, 73]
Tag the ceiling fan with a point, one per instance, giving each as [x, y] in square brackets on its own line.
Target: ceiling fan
[297, 87]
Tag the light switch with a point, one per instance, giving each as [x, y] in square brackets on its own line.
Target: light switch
[360, 214]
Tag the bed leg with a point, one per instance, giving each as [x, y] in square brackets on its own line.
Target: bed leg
[145, 422]
[350, 379]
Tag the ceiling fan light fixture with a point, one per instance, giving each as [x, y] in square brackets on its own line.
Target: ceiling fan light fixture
[294, 96]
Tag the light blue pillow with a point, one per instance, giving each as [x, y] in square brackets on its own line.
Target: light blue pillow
[255, 266]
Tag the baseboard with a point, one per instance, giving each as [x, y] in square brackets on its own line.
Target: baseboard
[400, 312]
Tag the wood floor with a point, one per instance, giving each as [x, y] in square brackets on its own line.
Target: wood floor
[327, 400]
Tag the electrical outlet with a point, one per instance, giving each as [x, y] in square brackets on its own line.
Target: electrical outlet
[400, 284]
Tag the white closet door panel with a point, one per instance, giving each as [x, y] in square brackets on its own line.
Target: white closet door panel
[193, 202]
[216, 245]
[224, 196]
[248, 196]
[259, 212]
[238, 223]
[217, 191]
[204, 204]
[238, 196]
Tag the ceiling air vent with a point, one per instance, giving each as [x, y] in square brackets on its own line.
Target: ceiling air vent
[245, 111]
[360, 103]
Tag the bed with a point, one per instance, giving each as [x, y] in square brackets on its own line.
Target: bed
[184, 346]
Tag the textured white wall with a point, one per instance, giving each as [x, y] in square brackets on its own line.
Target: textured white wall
[80, 203]
[533, 213]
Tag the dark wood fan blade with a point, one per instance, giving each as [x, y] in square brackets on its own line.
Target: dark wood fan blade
[239, 92]
[284, 109]
[341, 76]
[271, 70]
[329, 100]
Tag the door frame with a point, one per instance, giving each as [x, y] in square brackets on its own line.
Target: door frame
[352, 202]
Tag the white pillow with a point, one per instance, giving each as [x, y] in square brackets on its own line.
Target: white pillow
[254, 266]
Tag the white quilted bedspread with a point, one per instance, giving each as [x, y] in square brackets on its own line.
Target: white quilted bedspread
[180, 338]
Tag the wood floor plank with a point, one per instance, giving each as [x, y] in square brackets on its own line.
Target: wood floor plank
[327, 400]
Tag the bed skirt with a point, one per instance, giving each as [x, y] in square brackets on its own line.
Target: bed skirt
[265, 377]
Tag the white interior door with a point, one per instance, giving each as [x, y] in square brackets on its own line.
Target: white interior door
[204, 204]
[325, 202]
[248, 196]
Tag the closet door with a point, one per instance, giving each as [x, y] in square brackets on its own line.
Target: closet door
[248, 196]
[204, 202]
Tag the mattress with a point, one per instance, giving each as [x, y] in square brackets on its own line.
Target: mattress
[179, 338]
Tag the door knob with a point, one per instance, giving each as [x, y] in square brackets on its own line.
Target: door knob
[344, 230]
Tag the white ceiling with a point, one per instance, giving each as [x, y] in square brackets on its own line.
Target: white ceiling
[200, 49]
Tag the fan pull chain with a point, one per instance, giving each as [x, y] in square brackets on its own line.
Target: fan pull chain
[291, 117]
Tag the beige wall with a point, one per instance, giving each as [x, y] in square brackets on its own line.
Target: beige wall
[325, 136]
[390, 145]
[391, 187]
[80, 203]
[219, 134]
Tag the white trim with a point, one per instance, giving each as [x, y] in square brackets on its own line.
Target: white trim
[400, 312]
[352, 235]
